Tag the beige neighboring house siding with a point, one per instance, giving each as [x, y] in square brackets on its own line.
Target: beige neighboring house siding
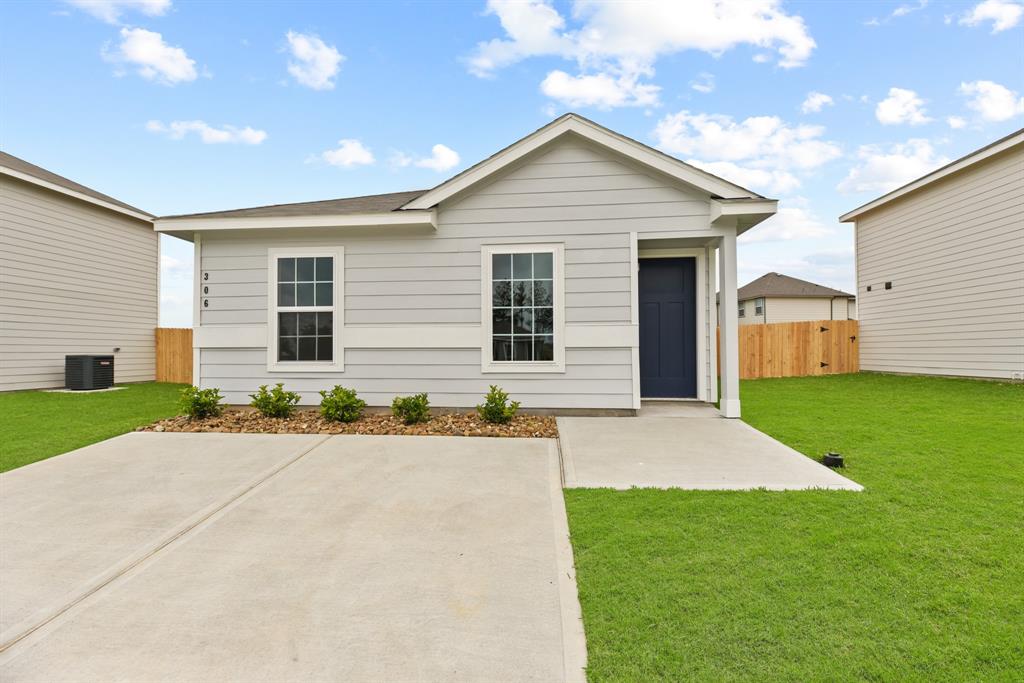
[74, 278]
[954, 252]
[795, 309]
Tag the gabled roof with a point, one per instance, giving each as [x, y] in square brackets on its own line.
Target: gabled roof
[779, 285]
[718, 188]
[373, 203]
[418, 208]
[1001, 145]
[15, 167]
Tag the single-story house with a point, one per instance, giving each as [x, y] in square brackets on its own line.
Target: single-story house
[940, 269]
[79, 274]
[778, 298]
[575, 268]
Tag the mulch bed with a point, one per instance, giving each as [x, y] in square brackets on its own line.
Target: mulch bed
[310, 422]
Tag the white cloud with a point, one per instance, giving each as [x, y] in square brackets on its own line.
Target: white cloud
[603, 91]
[172, 268]
[761, 152]
[348, 154]
[994, 102]
[956, 122]
[442, 158]
[882, 169]
[774, 181]
[901, 106]
[110, 11]
[615, 45]
[177, 130]
[152, 58]
[900, 11]
[794, 221]
[1003, 14]
[315, 62]
[768, 141]
[815, 101]
[704, 82]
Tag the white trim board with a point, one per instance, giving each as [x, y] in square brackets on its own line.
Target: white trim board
[25, 177]
[699, 254]
[487, 363]
[960, 164]
[337, 364]
[425, 219]
[573, 123]
[578, 336]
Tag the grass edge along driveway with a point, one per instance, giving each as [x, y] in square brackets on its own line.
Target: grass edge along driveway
[36, 425]
[917, 578]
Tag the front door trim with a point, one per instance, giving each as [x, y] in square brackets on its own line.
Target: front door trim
[705, 312]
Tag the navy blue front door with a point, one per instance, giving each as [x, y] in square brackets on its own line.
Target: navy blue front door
[668, 328]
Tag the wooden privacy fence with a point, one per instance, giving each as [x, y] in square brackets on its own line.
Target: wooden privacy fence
[174, 355]
[817, 347]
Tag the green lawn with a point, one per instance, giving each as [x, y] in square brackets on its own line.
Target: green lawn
[35, 425]
[920, 577]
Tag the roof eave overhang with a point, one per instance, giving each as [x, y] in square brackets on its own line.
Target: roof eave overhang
[978, 156]
[571, 123]
[398, 219]
[745, 212]
[139, 215]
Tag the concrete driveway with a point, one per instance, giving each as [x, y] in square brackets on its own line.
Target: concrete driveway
[276, 558]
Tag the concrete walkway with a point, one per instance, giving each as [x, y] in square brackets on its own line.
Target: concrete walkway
[274, 558]
[687, 446]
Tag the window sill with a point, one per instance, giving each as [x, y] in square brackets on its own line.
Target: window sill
[512, 368]
[304, 366]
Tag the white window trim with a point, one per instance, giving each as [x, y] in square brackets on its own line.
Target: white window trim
[487, 364]
[336, 365]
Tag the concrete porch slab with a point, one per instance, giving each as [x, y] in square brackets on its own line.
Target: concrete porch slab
[706, 453]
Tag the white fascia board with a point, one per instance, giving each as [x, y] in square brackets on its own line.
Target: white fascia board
[947, 170]
[73, 193]
[353, 220]
[601, 136]
[745, 213]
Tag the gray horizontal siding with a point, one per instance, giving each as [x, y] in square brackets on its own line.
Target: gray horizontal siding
[74, 278]
[571, 193]
[594, 378]
[954, 252]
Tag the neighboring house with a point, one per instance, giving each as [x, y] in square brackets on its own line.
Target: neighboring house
[777, 298]
[940, 269]
[79, 274]
[574, 268]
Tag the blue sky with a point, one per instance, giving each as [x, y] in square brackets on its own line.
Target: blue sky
[178, 107]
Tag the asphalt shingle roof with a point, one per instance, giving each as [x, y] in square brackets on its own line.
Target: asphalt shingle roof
[779, 285]
[374, 203]
[16, 164]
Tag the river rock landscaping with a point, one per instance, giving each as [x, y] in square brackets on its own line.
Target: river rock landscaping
[243, 420]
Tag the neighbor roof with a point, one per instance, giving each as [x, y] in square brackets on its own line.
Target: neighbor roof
[977, 156]
[779, 285]
[372, 203]
[19, 168]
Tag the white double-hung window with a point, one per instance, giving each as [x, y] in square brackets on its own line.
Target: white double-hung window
[305, 309]
[523, 308]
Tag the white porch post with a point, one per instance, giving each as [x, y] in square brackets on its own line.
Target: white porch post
[729, 325]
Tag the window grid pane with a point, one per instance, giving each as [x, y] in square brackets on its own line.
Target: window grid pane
[522, 313]
[305, 336]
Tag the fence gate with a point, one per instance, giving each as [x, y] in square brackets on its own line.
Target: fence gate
[174, 355]
[818, 347]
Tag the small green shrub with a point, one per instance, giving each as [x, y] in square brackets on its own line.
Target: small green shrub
[411, 409]
[276, 402]
[496, 406]
[341, 405]
[198, 403]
